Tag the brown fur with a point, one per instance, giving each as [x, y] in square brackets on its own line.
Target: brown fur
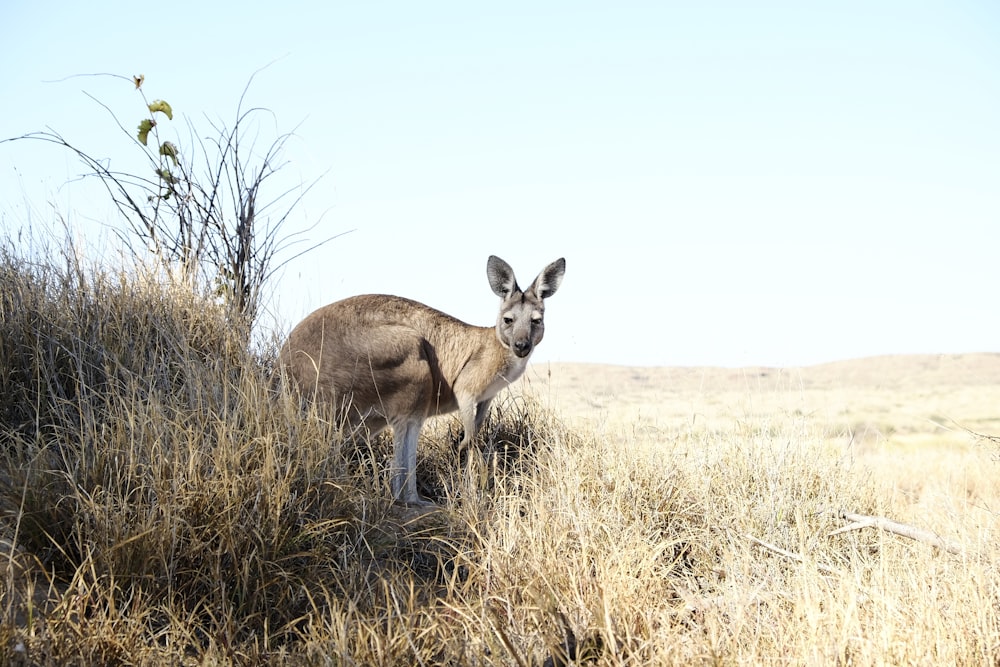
[388, 361]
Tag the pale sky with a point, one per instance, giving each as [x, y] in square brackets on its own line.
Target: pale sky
[731, 183]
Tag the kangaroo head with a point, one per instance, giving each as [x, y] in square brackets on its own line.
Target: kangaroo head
[521, 321]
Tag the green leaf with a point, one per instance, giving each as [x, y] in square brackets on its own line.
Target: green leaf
[167, 149]
[145, 125]
[162, 107]
[166, 176]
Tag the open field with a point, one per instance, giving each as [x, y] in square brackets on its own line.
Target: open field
[905, 419]
[163, 502]
[894, 430]
[893, 400]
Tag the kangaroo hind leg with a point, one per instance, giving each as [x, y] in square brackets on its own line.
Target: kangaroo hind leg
[404, 469]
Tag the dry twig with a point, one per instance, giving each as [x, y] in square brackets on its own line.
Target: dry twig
[902, 529]
[859, 521]
[788, 554]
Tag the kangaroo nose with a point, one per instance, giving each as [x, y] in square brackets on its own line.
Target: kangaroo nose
[522, 347]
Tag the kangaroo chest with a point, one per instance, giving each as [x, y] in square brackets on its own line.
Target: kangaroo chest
[503, 378]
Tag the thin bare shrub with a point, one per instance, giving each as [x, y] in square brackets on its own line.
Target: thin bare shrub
[207, 209]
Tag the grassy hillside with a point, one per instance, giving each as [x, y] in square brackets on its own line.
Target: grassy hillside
[163, 503]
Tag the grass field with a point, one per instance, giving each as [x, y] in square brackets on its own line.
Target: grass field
[161, 503]
[907, 421]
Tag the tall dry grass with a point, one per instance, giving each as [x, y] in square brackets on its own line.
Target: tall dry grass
[161, 503]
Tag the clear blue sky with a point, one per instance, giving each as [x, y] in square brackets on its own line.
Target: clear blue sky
[783, 184]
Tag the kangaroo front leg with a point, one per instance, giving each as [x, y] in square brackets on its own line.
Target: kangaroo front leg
[482, 412]
[467, 412]
[473, 415]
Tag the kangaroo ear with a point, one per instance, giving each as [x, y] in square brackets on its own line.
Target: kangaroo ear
[501, 277]
[549, 279]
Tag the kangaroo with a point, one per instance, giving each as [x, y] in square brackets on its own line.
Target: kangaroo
[385, 361]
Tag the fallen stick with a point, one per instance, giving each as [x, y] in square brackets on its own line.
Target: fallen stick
[859, 521]
[902, 529]
[787, 554]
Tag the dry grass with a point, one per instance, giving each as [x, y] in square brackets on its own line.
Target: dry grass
[161, 504]
[892, 437]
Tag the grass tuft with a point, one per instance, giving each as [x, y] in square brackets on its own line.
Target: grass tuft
[162, 503]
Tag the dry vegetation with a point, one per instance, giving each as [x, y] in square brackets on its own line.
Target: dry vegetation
[161, 503]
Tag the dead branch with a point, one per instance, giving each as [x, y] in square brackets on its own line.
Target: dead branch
[920, 535]
[788, 554]
[860, 521]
